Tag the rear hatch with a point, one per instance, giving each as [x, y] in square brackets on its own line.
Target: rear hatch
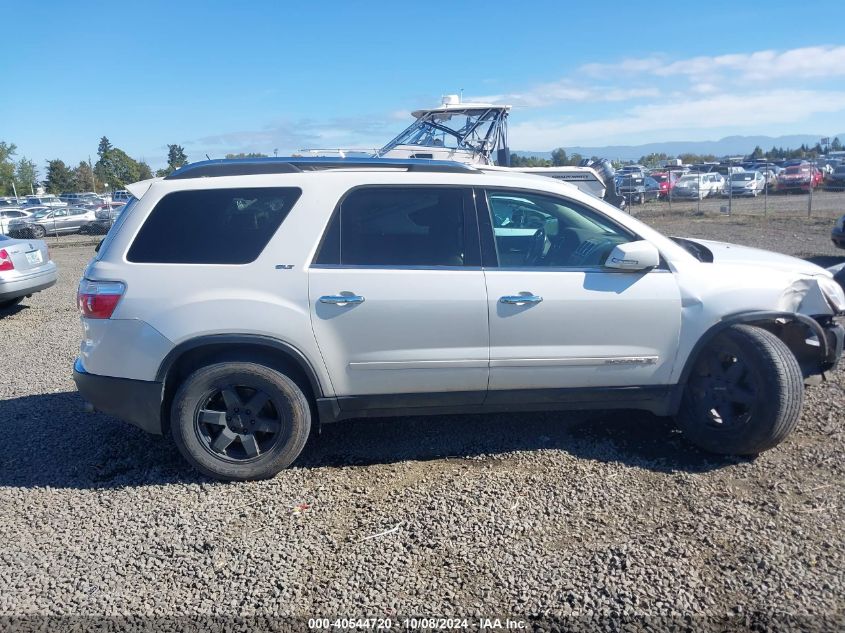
[26, 255]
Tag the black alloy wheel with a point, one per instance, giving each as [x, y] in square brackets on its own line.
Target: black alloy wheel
[238, 423]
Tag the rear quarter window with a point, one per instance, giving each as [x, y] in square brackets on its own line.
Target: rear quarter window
[212, 226]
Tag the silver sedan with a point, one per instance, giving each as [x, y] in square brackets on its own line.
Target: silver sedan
[25, 268]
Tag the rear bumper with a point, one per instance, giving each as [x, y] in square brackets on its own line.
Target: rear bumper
[135, 401]
[12, 288]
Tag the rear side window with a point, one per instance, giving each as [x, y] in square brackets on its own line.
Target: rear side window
[397, 226]
[213, 226]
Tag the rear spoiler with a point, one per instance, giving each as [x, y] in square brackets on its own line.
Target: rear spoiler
[138, 189]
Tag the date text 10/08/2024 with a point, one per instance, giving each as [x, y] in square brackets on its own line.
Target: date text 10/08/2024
[418, 623]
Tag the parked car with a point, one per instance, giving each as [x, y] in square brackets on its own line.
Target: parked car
[121, 195]
[43, 201]
[838, 232]
[638, 189]
[9, 202]
[81, 199]
[745, 183]
[52, 221]
[25, 268]
[699, 186]
[105, 218]
[666, 181]
[251, 307]
[631, 170]
[799, 178]
[836, 180]
[8, 214]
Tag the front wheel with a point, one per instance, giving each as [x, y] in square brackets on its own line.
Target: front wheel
[38, 232]
[238, 421]
[744, 395]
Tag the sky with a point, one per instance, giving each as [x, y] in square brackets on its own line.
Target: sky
[221, 77]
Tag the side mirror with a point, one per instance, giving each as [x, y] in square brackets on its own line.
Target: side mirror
[637, 255]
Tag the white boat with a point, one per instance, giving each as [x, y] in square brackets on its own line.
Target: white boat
[476, 134]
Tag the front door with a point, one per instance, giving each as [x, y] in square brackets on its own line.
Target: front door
[398, 299]
[558, 319]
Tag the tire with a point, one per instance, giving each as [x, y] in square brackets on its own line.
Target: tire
[641, 199]
[744, 395]
[216, 432]
[10, 303]
[38, 231]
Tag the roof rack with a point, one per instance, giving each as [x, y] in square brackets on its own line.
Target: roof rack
[287, 165]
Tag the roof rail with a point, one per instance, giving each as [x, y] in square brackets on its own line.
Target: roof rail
[286, 165]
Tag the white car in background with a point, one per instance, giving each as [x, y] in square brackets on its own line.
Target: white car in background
[745, 183]
[48, 200]
[9, 214]
[699, 186]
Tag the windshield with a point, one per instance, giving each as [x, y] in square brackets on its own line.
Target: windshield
[41, 214]
[453, 130]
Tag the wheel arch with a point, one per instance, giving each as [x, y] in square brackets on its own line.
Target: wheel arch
[787, 326]
[205, 350]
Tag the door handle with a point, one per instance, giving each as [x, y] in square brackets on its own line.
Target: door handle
[517, 299]
[341, 299]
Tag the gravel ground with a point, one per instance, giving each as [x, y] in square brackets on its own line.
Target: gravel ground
[589, 517]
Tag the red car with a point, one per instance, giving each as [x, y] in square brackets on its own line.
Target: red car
[666, 180]
[799, 178]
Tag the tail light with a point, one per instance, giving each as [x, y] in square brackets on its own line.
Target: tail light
[98, 299]
[5, 260]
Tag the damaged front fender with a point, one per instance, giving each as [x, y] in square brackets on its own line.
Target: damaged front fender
[813, 296]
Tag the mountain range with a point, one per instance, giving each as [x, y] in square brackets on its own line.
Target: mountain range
[728, 146]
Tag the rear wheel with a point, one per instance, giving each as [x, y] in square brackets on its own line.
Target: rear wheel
[744, 395]
[240, 421]
[38, 231]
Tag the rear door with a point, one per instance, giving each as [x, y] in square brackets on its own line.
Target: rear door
[398, 299]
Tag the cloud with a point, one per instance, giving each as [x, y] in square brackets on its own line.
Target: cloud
[290, 136]
[552, 93]
[714, 113]
[810, 62]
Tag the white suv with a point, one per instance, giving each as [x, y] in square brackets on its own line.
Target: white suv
[236, 303]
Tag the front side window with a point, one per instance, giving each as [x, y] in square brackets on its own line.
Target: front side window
[535, 230]
[397, 226]
[212, 226]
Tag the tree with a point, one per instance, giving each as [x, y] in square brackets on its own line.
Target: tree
[529, 161]
[26, 176]
[144, 171]
[559, 156]
[249, 155]
[84, 177]
[836, 145]
[654, 159]
[757, 153]
[7, 167]
[104, 147]
[116, 168]
[176, 157]
[60, 177]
